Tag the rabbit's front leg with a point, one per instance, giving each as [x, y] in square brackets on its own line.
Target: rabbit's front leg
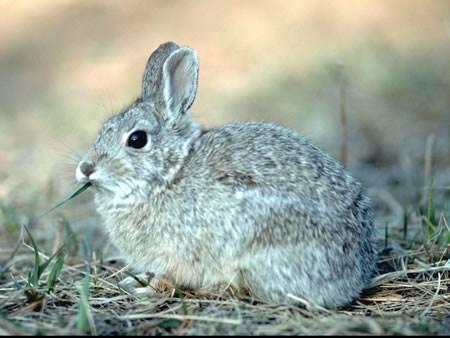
[143, 284]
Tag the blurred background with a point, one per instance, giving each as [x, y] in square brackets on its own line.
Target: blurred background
[66, 65]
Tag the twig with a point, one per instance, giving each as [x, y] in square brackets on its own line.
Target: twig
[309, 305]
[434, 297]
[428, 164]
[181, 317]
[392, 275]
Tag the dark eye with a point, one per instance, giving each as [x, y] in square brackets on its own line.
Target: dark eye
[137, 139]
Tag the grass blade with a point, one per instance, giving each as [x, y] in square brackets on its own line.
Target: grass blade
[57, 268]
[38, 268]
[74, 194]
[84, 316]
[33, 277]
[431, 210]
[44, 265]
[141, 282]
[72, 239]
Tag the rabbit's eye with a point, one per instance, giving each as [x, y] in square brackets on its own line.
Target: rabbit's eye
[137, 139]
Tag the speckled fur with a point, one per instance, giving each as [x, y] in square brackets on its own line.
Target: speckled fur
[251, 204]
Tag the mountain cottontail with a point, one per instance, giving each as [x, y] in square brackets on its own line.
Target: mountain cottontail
[251, 204]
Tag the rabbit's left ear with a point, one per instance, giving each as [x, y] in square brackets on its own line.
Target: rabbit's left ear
[151, 83]
[179, 81]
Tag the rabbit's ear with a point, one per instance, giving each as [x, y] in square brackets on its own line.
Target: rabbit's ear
[179, 80]
[151, 83]
[170, 79]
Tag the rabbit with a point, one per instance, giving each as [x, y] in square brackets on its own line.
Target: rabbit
[254, 205]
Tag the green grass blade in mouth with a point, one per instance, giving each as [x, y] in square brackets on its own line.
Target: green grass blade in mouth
[74, 194]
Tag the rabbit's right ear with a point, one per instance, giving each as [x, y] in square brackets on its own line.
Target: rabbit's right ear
[170, 79]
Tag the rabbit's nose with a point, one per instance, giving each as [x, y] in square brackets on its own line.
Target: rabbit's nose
[87, 168]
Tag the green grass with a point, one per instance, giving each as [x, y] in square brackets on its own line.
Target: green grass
[84, 319]
[34, 276]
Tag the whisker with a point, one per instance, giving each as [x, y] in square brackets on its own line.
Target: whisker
[66, 149]
[69, 160]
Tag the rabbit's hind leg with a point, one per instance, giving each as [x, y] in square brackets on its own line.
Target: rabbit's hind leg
[292, 276]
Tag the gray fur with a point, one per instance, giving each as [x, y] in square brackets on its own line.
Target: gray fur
[251, 204]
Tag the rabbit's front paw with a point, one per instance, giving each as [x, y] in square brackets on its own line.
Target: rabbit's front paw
[141, 284]
[145, 284]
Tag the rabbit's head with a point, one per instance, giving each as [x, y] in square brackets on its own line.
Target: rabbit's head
[139, 150]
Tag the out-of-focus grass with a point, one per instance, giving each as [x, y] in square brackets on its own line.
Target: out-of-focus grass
[84, 319]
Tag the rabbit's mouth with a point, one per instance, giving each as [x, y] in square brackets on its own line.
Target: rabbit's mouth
[101, 189]
[92, 182]
[110, 187]
[92, 177]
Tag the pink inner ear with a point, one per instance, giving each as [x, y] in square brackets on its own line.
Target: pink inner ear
[181, 81]
[180, 75]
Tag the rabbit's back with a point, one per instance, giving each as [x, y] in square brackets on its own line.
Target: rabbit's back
[253, 155]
